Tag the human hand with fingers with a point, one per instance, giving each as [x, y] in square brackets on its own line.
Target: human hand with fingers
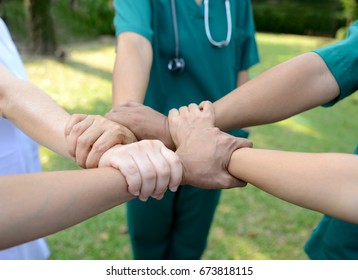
[143, 121]
[188, 118]
[90, 136]
[203, 149]
[148, 166]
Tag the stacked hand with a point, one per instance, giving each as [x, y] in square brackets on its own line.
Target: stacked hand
[203, 149]
[151, 167]
[143, 121]
[148, 166]
[88, 137]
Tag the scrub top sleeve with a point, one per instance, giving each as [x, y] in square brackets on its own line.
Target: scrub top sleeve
[133, 16]
[250, 55]
[342, 60]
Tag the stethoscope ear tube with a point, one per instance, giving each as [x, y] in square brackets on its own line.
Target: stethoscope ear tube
[225, 42]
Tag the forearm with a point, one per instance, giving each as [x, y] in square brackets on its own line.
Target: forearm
[132, 68]
[36, 205]
[322, 182]
[33, 111]
[292, 87]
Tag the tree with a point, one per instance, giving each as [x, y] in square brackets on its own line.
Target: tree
[350, 10]
[42, 39]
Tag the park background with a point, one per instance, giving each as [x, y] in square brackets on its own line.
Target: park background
[68, 48]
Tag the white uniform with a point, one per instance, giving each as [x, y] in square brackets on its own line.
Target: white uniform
[18, 153]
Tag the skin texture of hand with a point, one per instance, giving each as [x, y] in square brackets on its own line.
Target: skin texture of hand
[204, 150]
[89, 137]
[148, 166]
[143, 121]
[186, 122]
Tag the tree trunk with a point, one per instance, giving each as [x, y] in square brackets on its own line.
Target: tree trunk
[41, 28]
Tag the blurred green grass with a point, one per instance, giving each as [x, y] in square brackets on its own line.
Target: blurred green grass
[249, 224]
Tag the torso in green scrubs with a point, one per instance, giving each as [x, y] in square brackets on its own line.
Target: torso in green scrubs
[333, 238]
[177, 226]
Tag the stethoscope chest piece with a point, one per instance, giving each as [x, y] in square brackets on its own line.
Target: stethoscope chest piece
[176, 65]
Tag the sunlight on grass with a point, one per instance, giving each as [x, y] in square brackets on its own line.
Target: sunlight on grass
[292, 40]
[277, 48]
[301, 125]
[80, 84]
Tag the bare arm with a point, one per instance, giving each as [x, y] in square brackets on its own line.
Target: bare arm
[242, 78]
[324, 182]
[292, 87]
[36, 205]
[33, 111]
[132, 68]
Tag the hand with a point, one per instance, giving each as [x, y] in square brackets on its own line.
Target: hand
[143, 121]
[188, 122]
[148, 166]
[204, 150]
[88, 137]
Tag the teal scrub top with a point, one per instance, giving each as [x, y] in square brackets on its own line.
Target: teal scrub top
[334, 238]
[342, 60]
[210, 72]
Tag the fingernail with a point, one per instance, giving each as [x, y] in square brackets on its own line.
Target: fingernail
[173, 189]
[136, 193]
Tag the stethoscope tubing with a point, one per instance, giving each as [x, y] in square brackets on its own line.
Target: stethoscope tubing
[177, 64]
[225, 42]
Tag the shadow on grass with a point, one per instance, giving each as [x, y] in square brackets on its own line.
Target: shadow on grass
[90, 70]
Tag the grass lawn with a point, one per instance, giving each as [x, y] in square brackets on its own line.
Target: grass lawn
[249, 224]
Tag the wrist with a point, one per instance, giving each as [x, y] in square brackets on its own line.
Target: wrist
[168, 141]
[238, 161]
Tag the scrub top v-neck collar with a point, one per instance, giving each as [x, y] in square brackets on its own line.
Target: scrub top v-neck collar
[198, 9]
[198, 4]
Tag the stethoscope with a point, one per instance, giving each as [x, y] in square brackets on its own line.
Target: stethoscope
[176, 65]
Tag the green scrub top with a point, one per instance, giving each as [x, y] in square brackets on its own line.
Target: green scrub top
[210, 72]
[342, 60]
[333, 238]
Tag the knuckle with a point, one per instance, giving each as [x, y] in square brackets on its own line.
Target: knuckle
[145, 144]
[164, 171]
[83, 141]
[131, 170]
[99, 148]
[149, 174]
[77, 117]
[77, 128]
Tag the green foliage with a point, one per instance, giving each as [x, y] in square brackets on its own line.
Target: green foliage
[90, 16]
[14, 14]
[350, 10]
[73, 19]
[84, 19]
[249, 224]
[298, 17]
